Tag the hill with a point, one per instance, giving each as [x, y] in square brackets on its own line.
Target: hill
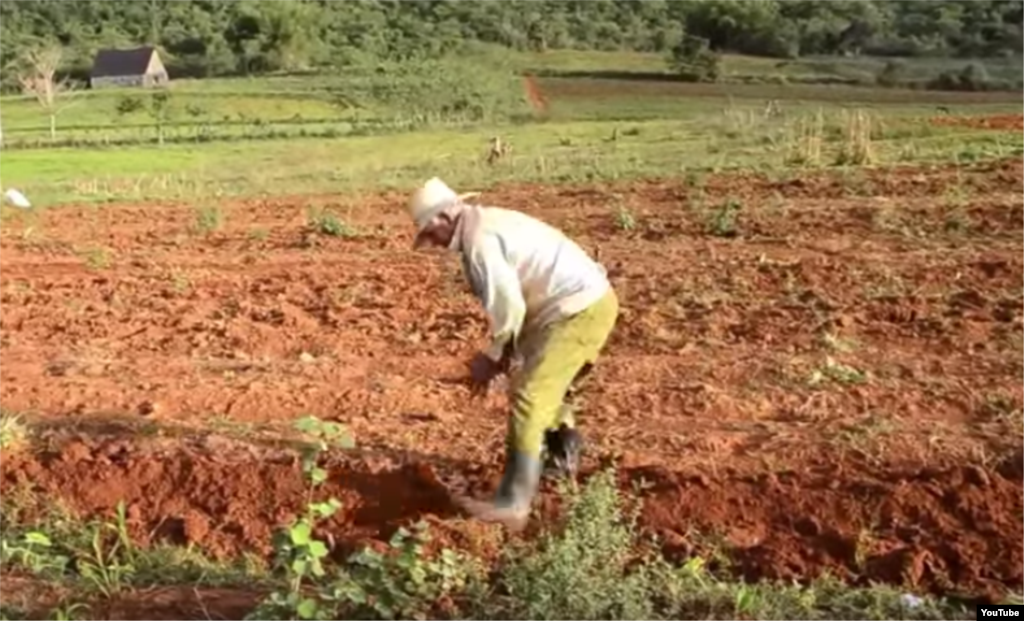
[201, 38]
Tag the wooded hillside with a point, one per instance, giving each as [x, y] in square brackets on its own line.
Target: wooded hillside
[205, 37]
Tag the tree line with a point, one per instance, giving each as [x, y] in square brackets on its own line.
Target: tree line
[217, 37]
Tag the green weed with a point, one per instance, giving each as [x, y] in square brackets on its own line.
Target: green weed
[1003, 409]
[584, 570]
[100, 557]
[324, 222]
[834, 371]
[400, 583]
[624, 219]
[595, 565]
[180, 281]
[403, 583]
[68, 611]
[13, 431]
[108, 567]
[35, 552]
[865, 433]
[9, 612]
[723, 221]
[299, 553]
[96, 258]
[209, 219]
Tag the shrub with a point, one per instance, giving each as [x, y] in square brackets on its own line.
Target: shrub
[972, 77]
[694, 61]
[589, 569]
[892, 74]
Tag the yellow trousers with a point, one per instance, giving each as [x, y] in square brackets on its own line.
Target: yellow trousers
[552, 358]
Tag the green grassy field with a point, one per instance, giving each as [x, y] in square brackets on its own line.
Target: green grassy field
[404, 97]
[294, 134]
[707, 134]
[737, 67]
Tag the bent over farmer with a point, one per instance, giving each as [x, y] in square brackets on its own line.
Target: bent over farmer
[548, 303]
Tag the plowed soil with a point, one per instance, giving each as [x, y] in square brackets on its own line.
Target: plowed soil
[833, 384]
[1005, 122]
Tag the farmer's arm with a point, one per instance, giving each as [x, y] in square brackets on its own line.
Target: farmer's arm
[495, 283]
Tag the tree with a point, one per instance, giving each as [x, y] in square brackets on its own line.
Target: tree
[160, 111]
[892, 74]
[208, 37]
[38, 77]
[693, 60]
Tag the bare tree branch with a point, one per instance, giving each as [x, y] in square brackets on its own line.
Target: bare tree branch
[38, 77]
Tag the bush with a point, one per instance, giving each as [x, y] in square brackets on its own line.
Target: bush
[694, 61]
[596, 566]
[892, 74]
[972, 77]
[442, 90]
[587, 570]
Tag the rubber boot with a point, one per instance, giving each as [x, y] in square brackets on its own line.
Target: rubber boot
[511, 503]
[563, 447]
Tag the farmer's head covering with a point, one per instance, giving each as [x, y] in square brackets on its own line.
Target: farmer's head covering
[431, 199]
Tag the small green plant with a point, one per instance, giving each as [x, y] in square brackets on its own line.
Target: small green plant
[624, 219]
[834, 371]
[12, 613]
[299, 553]
[866, 434]
[209, 219]
[259, 234]
[180, 281]
[129, 104]
[33, 551]
[403, 584]
[325, 222]
[588, 569]
[67, 611]
[1001, 407]
[723, 220]
[109, 568]
[97, 258]
[13, 432]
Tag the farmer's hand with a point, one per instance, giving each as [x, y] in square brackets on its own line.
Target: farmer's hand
[482, 371]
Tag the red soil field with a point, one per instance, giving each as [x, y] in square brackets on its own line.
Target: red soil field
[643, 87]
[1006, 122]
[163, 378]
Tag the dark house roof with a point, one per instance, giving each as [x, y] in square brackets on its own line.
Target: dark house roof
[110, 63]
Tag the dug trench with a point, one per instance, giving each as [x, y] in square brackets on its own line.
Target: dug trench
[941, 528]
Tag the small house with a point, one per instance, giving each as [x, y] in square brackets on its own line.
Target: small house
[138, 67]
